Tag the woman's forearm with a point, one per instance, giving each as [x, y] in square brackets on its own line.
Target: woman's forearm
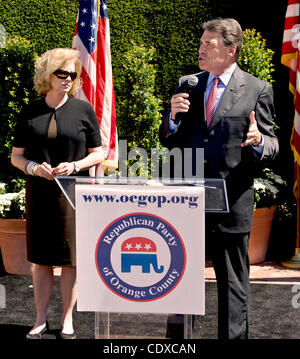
[18, 159]
[93, 158]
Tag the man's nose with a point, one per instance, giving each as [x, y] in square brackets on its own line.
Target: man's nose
[201, 50]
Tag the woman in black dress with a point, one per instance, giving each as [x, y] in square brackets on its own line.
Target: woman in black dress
[56, 136]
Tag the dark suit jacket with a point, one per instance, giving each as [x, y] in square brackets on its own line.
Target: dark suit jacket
[223, 155]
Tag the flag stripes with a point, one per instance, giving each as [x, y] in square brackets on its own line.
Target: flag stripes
[92, 40]
[290, 58]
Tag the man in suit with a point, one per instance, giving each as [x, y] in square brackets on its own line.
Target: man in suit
[231, 119]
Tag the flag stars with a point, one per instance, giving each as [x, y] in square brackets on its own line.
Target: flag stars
[128, 246]
[93, 26]
[82, 24]
[91, 39]
[104, 11]
[84, 11]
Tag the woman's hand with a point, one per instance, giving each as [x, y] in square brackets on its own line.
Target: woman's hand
[18, 160]
[64, 169]
[44, 170]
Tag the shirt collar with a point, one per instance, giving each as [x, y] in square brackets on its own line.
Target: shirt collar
[225, 76]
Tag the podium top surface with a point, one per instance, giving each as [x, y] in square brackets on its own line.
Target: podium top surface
[215, 189]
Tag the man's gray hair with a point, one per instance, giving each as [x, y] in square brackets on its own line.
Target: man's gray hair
[230, 30]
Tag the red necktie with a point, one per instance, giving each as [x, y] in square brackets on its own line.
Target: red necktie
[211, 101]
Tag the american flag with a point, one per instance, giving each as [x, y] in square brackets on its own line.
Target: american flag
[290, 58]
[92, 40]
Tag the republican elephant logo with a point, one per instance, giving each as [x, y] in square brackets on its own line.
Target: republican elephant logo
[139, 251]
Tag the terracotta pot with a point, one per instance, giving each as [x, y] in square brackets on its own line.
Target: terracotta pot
[260, 234]
[13, 246]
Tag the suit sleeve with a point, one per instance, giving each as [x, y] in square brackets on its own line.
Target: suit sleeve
[264, 114]
[169, 138]
[164, 130]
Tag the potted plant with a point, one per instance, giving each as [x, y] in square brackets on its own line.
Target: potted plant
[268, 194]
[13, 228]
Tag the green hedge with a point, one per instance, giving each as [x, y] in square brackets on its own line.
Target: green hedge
[138, 105]
[47, 24]
[172, 27]
[16, 90]
[255, 57]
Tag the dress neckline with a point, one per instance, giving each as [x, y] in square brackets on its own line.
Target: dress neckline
[59, 107]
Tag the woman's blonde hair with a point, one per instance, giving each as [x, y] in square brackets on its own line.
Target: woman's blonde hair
[51, 61]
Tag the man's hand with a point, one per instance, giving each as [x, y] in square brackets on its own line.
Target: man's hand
[253, 135]
[179, 103]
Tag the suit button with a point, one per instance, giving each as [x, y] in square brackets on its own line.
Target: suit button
[205, 161]
[205, 140]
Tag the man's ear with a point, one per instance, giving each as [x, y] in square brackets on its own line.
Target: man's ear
[232, 50]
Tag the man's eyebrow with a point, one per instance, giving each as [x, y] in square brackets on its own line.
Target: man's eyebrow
[206, 42]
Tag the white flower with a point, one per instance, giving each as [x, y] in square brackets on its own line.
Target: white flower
[267, 189]
[7, 199]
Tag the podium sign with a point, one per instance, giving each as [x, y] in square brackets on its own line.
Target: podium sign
[140, 248]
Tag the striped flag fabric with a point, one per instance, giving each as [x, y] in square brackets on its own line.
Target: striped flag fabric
[92, 40]
[290, 58]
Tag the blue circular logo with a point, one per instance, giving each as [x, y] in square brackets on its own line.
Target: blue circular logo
[140, 257]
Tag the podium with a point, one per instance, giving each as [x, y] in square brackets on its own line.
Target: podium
[141, 251]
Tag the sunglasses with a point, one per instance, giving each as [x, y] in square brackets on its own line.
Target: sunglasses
[61, 74]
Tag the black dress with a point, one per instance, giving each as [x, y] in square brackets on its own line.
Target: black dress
[50, 218]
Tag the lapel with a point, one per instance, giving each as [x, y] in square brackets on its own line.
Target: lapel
[198, 94]
[233, 92]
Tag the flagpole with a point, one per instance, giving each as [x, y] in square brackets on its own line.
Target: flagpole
[294, 262]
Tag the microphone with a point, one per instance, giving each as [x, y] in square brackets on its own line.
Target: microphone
[190, 82]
